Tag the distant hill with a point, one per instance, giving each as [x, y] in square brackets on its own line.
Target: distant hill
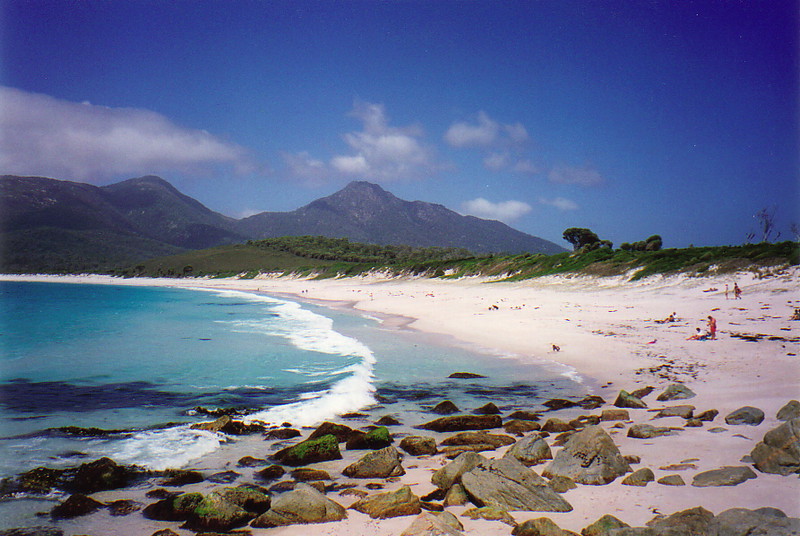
[365, 212]
[49, 225]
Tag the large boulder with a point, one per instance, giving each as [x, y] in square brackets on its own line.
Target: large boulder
[589, 457]
[458, 423]
[725, 476]
[314, 450]
[745, 415]
[640, 477]
[389, 504]
[509, 485]
[173, 508]
[250, 497]
[542, 526]
[779, 451]
[75, 505]
[530, 450]
[603, 526]
[478, 438]
[675, 391]
[100, 475]
[694, 521]
[434, 524]
[302, 505]
[419, 445]
[216, 514]
[372, 440]
[790, 411]
[627, 400]
[743, 522]
[340, 431]
[381, 463]
[451, 473]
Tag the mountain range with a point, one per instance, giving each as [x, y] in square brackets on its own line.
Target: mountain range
[49, 225]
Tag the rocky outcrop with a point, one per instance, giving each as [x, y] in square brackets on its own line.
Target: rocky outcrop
[311, 450]
[381, 463]
[725, 476]
[100, 475]
[458, 423]
[589, 457]
[302, 505]
[746, 415]
[451, 473]
[390, 504]
[779, 451]
[530, 450]
[419, 445]
[509, 485]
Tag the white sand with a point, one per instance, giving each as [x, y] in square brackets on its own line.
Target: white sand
[606, 331]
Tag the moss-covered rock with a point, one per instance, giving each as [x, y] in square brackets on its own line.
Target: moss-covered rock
[315, 450]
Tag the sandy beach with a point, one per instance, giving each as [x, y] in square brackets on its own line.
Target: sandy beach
[608, 333]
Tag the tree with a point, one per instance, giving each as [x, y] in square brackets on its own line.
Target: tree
[765, 219]
[580, 237]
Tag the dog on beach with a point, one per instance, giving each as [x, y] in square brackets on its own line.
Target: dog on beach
[556, 348]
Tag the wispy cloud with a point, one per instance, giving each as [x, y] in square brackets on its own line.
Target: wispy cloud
[502, 144]
[505, 211]
[560, 203]
[582, 176]
[308, 169]
[482, 134]
[42, 135]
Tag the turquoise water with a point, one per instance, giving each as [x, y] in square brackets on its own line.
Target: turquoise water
[134, 358]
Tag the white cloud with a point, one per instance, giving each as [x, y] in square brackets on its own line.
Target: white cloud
[560, 203]
[526, 167]
[496, 161]
[582, 176]
[382, 152]
[42, 135]
[517, 133]
[463, 134]
[505, 211]
[303, 166]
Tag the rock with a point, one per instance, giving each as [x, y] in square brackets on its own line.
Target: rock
[181, 477]
[419, 445]
[124, 507]
[562, 484]
[539, 527]
[445, 408]
[252, 498]
[555, 425]
[372, 440]
[648, 431]
[671, 480]
[390, 504]
[224, 477]
[270, 473]
[282, 434]
[559, 403]
[640, 477]
[708, 415]
[314, 450]
[530, 450]
[743, 522]
[643, 392]
[249, 461]
[633, 458]
[490, 513]
[725, 476]
[745, 415]
[603, 526]
[238, 428]
[614, 415]
[585, 420]
[487, 409]
[387, 420]
[589, 457]
[457, 423]
[451, 473]
[454, 452]
[165, 532]
[39, 480]
[694, 423]
[675, 391]
[381, 463]
[694, 521]
[100, 475]
[173, 508]
[478, 438]
[33, 531]
[508, 485]
[434, 524]
[779, 452]
[456, 496]
[525, 416]
[76, 505]
[302, 505]
[160, 493]
[627, 400]
[685, 412]
[213, 426]
[305, 474]
[520, 427]
[215, 513]
[591, 402]
[465, 375]
[790, 411]
[340, 431]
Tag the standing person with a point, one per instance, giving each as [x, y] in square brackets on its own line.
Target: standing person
[712, 327]
[737, 292]
[726, 291]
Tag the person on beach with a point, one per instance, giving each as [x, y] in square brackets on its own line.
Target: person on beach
[712, 327]
[726, 291]
[737, 292]
[699, 336]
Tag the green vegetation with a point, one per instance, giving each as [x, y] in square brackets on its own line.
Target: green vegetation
[322, 258]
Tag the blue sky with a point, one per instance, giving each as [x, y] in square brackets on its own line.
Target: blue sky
[631, 118]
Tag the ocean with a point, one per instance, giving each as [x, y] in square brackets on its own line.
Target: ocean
[140, 359]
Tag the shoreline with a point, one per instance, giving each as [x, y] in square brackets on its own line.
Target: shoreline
[607, 332]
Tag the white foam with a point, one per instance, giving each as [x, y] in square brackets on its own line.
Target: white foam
[161, 449]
